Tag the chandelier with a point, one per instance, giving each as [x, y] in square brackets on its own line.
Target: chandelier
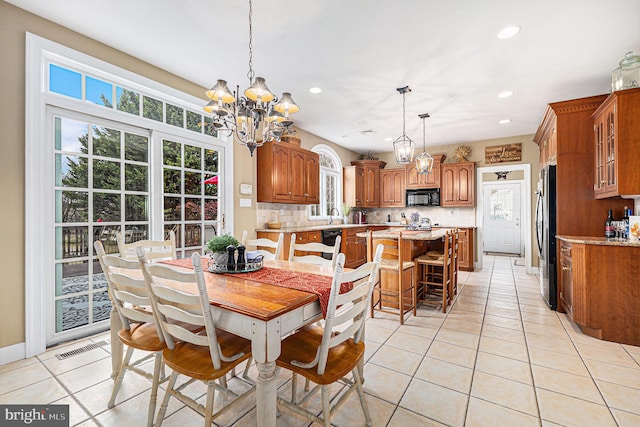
[403, 146]
[255, 118]
[424, 161]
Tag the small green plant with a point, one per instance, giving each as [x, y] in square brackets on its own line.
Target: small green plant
[220, 243]
[346, 209]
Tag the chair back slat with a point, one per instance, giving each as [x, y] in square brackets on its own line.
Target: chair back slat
[128, 294]
[307, 258]
[156, 250]
[264, 242]
[352, 324]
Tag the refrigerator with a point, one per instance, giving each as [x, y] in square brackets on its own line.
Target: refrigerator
[546, 235]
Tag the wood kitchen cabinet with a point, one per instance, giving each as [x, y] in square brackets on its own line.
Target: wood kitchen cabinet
[361, 183]
[617, 138]
[354, 247]
[414, 180]
[458, 185]
[288, 174]
[568, 126]
[392, 193]
[565, 279]
[465, 249]
[598, 287]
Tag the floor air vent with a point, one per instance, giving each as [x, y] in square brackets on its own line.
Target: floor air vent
[81, 350]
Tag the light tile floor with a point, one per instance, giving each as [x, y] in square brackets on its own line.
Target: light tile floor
[499, 357]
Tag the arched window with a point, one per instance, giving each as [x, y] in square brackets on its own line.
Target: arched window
[330, 184]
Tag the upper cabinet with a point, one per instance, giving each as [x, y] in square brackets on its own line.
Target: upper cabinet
[458, 185]
[392, 192]
[414, 180]
[617, 137]
[288, 174]
[361, 183]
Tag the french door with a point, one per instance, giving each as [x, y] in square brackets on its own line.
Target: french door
[112, 178]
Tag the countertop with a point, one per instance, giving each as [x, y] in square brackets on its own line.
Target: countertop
[408, 235]
[301, 228]
[601, 241]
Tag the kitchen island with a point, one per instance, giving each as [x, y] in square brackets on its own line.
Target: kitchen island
[354, 241]
[599, 286]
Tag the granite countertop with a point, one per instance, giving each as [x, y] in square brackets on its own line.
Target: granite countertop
[602, 241]
[408, 235]
[301, 228]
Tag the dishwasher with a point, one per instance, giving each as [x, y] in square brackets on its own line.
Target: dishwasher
[329, 238]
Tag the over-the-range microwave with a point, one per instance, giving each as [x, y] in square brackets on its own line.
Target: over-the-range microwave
[423, 197]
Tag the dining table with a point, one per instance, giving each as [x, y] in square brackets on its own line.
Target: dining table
[261, 312]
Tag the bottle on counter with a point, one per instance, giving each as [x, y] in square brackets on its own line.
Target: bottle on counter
[609, 231]
[628, 213]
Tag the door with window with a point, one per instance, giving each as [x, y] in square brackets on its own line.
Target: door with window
[105, 183]
[502, 218]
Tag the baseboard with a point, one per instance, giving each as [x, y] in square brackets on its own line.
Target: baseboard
[12, 353]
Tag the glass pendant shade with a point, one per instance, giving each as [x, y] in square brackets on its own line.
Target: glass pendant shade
[424, 163]
[424, 160]
[403, 147]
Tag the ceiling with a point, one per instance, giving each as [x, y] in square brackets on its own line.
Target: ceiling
[360, 51]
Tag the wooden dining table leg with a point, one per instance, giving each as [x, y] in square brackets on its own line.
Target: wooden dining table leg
[116, 346]
[265, 348]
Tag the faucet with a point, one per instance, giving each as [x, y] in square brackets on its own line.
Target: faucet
[331, 212]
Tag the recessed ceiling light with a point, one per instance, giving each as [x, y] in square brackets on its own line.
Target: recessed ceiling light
[388, 139]
[315, 90]
[504, 121]
[505, 94]
[508, 32]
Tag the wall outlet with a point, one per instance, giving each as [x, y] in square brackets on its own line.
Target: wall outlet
[450, 212]
[281, 211]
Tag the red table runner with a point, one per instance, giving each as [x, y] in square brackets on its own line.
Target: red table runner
[307, 282]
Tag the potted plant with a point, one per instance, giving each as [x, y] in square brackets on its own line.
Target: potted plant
[346, 209]
[217, 247]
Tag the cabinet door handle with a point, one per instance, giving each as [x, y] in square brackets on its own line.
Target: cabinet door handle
[565, 268]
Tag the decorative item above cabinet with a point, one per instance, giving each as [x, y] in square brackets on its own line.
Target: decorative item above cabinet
[288, 174]
[616, 130]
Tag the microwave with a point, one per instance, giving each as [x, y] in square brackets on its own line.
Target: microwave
[423, 197]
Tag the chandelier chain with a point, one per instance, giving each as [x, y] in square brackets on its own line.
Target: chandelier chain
[250, 74]
[424, 135]
[403, 114]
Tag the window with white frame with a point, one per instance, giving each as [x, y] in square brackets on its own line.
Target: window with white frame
[330, 184]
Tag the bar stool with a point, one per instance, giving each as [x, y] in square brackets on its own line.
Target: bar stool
[393, 293]
[454, 263]
[435, 275]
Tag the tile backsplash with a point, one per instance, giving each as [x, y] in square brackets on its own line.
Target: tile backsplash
[298, 215]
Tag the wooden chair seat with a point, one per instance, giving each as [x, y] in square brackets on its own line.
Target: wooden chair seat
[304, 343]
[142, 336]
[195, 360]
[392, 264]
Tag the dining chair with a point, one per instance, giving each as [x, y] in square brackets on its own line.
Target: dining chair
[326, 355]
[156, 249]
[309, 251]
[434, 275]
[264, 242]
[140, 330]
[207, 355]
[394, 294]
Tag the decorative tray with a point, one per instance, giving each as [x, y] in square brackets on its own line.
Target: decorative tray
[222, 268]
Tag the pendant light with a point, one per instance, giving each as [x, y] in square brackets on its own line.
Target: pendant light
[424, 161]
[403, 146]
[258, 116]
